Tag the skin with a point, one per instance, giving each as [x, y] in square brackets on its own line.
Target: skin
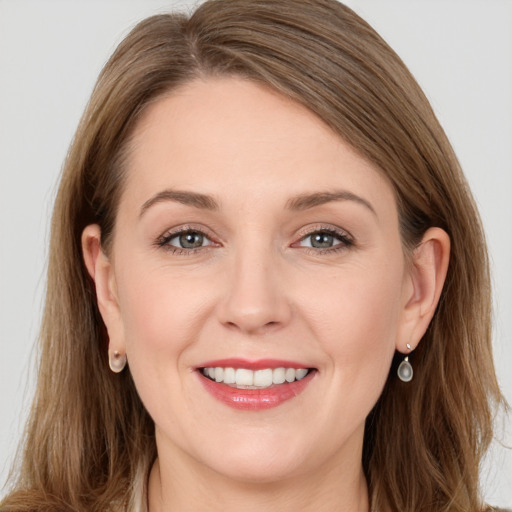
[257, 289]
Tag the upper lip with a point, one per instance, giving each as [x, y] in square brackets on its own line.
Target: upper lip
[259, 364]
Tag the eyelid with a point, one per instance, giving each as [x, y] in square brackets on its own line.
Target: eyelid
[311, 229]
[163, 240]
[346, 239]
[175, 236]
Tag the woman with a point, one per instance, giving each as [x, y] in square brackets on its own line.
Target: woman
[214, 346]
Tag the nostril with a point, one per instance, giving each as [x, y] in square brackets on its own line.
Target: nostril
[256, 328]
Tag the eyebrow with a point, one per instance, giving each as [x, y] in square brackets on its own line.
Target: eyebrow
[195, 199]
[298, 203]
[306, 201]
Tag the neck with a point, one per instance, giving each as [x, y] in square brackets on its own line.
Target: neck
[191, 487]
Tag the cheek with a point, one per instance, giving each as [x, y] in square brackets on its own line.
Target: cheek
[365, 300]
[163, 315]
[160, 310]
[356, 324]
[356, 320]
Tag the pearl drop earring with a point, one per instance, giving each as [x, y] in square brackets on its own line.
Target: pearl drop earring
[116, 361]
[405, 371]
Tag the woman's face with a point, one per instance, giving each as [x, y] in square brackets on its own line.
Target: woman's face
[253, 242]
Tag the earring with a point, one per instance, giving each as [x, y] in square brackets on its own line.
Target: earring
[405, 371]
[116, 361]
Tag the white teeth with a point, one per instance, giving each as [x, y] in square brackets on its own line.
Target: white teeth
[289, 375]
[244, 377]
[278, 375]
[258, 379]
[219, 374]
[229, 376]
[263, 378]
[301, 373]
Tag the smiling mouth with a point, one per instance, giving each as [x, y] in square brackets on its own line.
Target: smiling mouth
[254, 385]
[244, 378]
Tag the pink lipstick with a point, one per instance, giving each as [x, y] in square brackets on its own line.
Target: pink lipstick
[254, 385]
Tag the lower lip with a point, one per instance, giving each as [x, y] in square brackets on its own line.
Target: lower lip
[255, 399]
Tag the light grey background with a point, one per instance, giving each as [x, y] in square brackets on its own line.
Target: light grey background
[51, 52]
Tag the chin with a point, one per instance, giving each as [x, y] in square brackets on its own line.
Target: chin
[257, 470]
[261, 458]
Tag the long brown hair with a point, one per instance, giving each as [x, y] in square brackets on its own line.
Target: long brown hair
[89, 441]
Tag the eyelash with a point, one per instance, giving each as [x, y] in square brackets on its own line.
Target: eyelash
[163, 241]
[343, 237]
[345, 241]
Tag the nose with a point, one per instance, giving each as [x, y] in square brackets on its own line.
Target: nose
[256, 300]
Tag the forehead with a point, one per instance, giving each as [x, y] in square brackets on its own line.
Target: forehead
[236, 139]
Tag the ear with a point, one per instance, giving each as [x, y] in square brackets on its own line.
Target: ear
[423, 286]
[102, 273]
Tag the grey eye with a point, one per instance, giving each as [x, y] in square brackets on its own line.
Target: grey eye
[189, 240]
[322, 240]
